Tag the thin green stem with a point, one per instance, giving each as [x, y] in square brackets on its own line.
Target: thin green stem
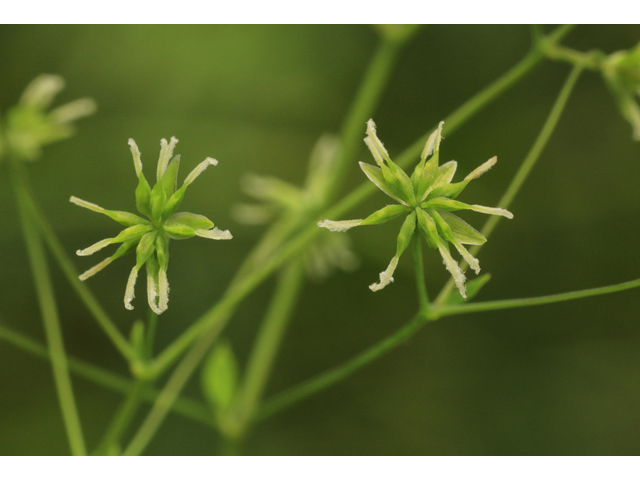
[267, 344]
[523, 172]
[241, 288]
[53, 331]
[447, 310]
[171, 391]
[70, 272]
[328, 378]
[121, 420]
[188, 408]
[419, 268]
[151, 334]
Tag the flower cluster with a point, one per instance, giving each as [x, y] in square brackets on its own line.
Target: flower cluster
[427, 199]
[621, 71]
[29, 126]
[296, 205]
[150, 237]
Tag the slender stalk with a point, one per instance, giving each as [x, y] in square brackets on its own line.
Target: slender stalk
[328, 378]
[446, 310]
[524, 170]
[240, 289]
[170, 392]
[121, 419]
[267, 343]
[151, 333]
[419, 267]
[53, 331]
[65, 263]
[112, 381]
[324, 380]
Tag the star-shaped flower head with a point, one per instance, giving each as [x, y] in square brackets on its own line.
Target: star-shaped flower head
[150, 236]
[29, 126]
[427, 198]
[298, 205]
[621, 70]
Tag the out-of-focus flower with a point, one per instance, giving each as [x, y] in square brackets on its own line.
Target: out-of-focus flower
[621, 71]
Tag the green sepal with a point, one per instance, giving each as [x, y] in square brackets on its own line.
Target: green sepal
[126, 247]
[195, 221]
[397, 184]
[158, 200]
[375, 175]
[385, 214]
[132, 233]
[162, 250]
[178, 231]
[449, 190]
[125, 218]
[406, 232]
[428, 229]
[173, 202]
[446, 204]
[473, 287]
[424, 178]
[170, 178]
[145, 248]
[443, 227]
[143, 196]
[462, 231]
[220, 377]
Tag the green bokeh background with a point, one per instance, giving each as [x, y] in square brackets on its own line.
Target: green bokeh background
[558, 379]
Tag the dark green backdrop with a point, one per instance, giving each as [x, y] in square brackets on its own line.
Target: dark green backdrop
[559, 379]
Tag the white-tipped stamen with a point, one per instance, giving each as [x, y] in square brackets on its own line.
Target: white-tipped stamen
[199, 169]
[386, 277]
[470, 259]
[482, 169]
[95, 269]
[94, 248]
[42, 90]
[88, 205]
[74, 110]
[163, 287]
[215, 234]
[492, 211]
[166, 152]
[129, 291]
[454, 270]
[135, 152]
[341, 226]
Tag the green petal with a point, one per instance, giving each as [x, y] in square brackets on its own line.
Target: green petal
[132, 233]
[178, 231]
[162, 251]
[169, 180]
[462, 231]
[447, 204]
[143, 196]
[123, 218]
[375, 175]
[166, 152]
[158, 199]
[453, 267]
[428, 229]
[385, 214]
[123, 250]
[340, 226]
[175, 199]
[146, 247]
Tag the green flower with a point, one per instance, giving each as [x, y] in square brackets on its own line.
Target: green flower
[621, 71]
[29, 126]
[150, 237]
[299, 205]
[426, 199]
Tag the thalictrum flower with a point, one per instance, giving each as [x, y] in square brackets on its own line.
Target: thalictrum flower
[150, 236]
[621, 71]
[426, 200]
[296, 205]
[29, 126]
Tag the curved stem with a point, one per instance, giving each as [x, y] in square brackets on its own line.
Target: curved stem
[524, 170]
[53, 331]
[240, 289]
[447, 310]
[328, 378]
[419, 268]
[267, 343]
[49, 236]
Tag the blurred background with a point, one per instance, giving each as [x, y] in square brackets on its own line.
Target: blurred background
[560, 379]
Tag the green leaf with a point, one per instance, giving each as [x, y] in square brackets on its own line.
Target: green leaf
[473, 288]
[220, 377]
[462, 231]
[385, 214]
